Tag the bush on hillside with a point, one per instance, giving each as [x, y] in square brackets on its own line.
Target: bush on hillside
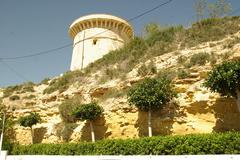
[67, 107]
[199, 59]
[62, 83]
[14, 98]
[23, 88]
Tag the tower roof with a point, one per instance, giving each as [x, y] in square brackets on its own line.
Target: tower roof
[100, 21]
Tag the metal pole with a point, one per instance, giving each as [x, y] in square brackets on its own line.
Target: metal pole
[1, 139]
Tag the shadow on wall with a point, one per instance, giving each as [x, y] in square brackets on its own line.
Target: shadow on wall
[65, 130]
[162, 120]
[100, 128]
[227, 115]
[38, 134]
[224, 110]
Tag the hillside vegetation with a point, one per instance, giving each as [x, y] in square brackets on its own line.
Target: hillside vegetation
[118, 63]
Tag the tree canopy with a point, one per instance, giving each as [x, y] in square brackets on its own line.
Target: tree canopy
[30, 120]
[88, 111]
[151, 94]
[225, 79]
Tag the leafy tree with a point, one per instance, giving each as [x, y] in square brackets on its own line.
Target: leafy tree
[219, 8]
[151, 94]
[151, 29]
[6, 127]
[200, 6]
[225, 79]
[89, 112]
[29, 121]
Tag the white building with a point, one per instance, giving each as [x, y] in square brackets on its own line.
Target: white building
[95, 35]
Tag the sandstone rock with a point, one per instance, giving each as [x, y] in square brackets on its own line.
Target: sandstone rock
[194, 75]
[97, 92]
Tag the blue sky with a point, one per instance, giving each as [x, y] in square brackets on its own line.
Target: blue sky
[31, 26]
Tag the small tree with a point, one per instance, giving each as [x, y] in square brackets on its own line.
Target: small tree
[29, 121]
[218, 9]
[225, 79]
[89, 112]
[200, 6]
[151, 94]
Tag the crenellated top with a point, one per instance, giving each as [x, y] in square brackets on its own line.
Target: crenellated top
[100, 21]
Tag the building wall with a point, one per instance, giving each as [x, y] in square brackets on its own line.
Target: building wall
[97, 43]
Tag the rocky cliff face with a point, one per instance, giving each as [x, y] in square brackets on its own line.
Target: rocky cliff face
[195, 110]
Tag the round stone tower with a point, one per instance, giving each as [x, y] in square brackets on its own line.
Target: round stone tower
[95, 35]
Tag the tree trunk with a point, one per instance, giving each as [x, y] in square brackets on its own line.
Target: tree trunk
[32, 134]
[238, 100]
[92, 131]
[149, 123]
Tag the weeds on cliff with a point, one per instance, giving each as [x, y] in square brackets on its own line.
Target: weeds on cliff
[210, 29]
[166, 40]
[45, 81]
[199, 59]
[14, 98]
[181, 59]
[149, 69]
[62, 83]
[23, 88]
[226, 55]
[67, 107]
[29, 97]
[113, 93]
[183, 73]
[168, 73]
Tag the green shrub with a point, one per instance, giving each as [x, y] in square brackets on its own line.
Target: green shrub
[30, 120]
[181, 59]
[27, 87]
[45, 81]
[182, 74]
[168, 73]
[88, 111]
[216, 143]
[199, 59]
[166, 35]
[67, 107]
[14, 98]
